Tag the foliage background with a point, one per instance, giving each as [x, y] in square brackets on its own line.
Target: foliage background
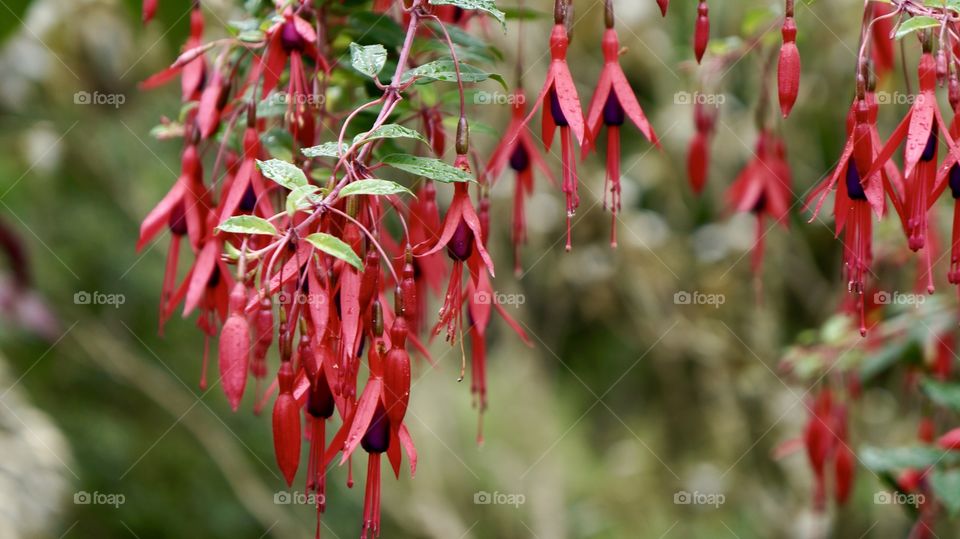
[627, 399]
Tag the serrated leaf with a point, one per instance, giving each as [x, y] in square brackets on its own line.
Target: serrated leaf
[368, 59]
[373, 187]
[946, 486]
[915, 24]
[335, 247]
[389, 131]
[283, 173]
[487, 6]
[327, 149]
[443, 70]
[247, 224]
[427, 167]
[301, 198]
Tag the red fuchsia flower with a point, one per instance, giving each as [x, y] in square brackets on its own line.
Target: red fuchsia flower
[518, 150]
[788, 68]
[816, 440]
[191, 65]
[613, 101]
[432, 119]
[286, 424]
[949, 176]
[857, 195]
[293, 39]
[825, 438]
[461, 237]
[763, 188]
[563, 111]
[234, 348]
[919, 129]
[482, 300]
[664, 4]
[701, 31]
[698, 155]
[183, 211]
[372, 428]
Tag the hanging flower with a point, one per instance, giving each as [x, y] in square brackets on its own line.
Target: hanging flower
[613, 101]
[698, 155]
[563, 111]
[763, 188]
[920, 128]
[518, 150]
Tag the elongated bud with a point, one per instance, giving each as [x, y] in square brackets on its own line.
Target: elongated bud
[698, 158]
[664, 4]
[788, 68]
[370, 281]
[953, 91]
[234, 348]
[376, 318]
[701, 34]
[407, 296]
[463, 136]
[396, 373]
[286, 425]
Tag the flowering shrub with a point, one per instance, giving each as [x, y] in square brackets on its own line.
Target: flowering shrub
[292, 124]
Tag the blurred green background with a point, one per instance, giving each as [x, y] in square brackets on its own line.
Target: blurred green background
[627, 401]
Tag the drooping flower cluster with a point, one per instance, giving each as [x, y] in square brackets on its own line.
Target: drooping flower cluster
[298, 244]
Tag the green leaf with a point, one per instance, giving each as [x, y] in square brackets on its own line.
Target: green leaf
[301, 198]
[373, 187]
[899, 458]
[443, 70]
[946, 485]
[327, 149]
[389, 131]
[247, 224]
[487, 6]
[427, 167]
[335, 247]
[525, 13]
[283, 173]
[368, 59]
[915, 24]
[944, 394]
